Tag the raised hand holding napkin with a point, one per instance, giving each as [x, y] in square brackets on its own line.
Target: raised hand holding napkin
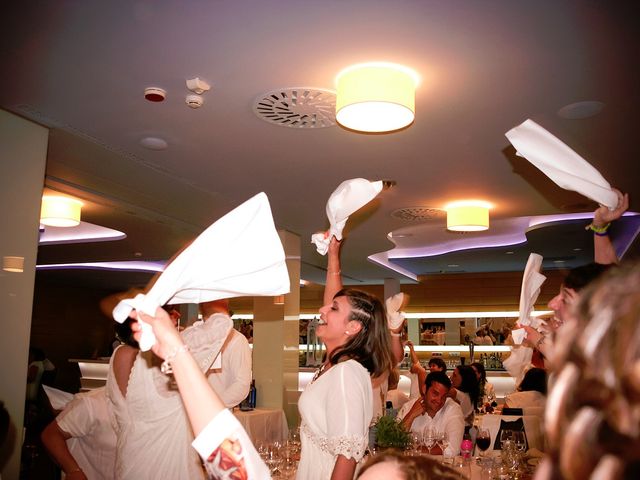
[349, 197]
[395, 318]
[240, 254]
[532, 280]
[560, 163]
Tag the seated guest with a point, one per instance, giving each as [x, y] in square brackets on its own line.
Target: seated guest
[395, 466]
[81, 440]
[394, 395]
[486, 392]
[531, 394]
[436, 364]
[437, 411]
[465, 391]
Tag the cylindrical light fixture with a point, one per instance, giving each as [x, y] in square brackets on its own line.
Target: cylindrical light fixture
[468, 216]
[278, 300]
[376, 97]
[13, 264]
[60, 211]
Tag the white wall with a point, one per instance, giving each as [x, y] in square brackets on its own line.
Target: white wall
[23, 150]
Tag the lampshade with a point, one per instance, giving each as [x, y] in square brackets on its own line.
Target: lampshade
[471, 216]
[60, 211]
[376, 97]
[278, 300]
[13, 264]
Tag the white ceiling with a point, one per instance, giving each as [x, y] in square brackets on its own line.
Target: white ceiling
[81, 69]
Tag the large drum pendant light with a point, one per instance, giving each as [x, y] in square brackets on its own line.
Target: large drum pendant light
[60, 211]
[468, 216]
[376, 97]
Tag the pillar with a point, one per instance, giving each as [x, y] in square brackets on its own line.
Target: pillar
[275, 340]
[23, 152]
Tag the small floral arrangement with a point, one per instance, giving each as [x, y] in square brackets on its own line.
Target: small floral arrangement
[390, 433]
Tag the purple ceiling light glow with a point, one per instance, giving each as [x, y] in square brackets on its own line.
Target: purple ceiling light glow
[125, 266]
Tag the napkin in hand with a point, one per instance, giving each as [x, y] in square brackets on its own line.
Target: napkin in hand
[560, 163]
[349, 197]
[57, 398]
[395, 317]
[518, 361]
[240, 254]
[532, 280]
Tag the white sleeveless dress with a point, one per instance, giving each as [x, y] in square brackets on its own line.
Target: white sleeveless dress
[154, 435]
[336, 411]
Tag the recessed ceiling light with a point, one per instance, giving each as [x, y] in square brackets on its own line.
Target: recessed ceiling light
[154, 143]
[453, 265]
[558, 261]
[155, 94]
[509, 253]
[577, 110]
[577, 249]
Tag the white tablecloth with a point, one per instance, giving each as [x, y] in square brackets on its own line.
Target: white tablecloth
[264, 425]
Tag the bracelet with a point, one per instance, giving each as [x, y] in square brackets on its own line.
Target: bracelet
[600, 231]
[393, 334]
[76, 470]
[334, 273]
[166, 365]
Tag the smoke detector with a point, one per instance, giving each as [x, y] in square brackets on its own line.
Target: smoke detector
[198, 86]
[155, 94]
[297, 107]
[194, 101]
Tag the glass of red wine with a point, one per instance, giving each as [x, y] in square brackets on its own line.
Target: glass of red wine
[483, 440]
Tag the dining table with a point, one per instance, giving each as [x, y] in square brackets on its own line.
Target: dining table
[264, 425]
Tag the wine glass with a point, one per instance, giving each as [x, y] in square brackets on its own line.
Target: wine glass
[416, 441]
[429, 439]
[483, 440]
[443, 440]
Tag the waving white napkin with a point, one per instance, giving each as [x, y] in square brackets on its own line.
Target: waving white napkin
[395, 317]
[518, 362]
[560, 163]
[57, 398]
[349, 197]
[240, 254]
[532, 280]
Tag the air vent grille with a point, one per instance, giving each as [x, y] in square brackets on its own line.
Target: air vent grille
[297, 107]
[418, 214]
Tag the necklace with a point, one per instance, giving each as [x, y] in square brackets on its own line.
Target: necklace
[320, 371]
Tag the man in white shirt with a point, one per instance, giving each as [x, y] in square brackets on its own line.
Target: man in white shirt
[81, 439]
[436, 411]
[232, 380]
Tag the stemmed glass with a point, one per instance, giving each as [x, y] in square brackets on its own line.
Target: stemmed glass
[520, 443]
[443, 441]
[429, 439]
[483, 440]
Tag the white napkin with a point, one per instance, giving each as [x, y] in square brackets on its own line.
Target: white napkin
[560, 163]
[517, 362]
[532, 280]
[349, 197]
[57, 398]
[395, 317]
[240, 254]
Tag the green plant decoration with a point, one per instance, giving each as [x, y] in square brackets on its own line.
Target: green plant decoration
[390, 433]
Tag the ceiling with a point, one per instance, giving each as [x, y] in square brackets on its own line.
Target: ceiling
[80, 68]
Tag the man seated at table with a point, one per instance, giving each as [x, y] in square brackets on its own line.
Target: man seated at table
[435, 410]
[233, 379]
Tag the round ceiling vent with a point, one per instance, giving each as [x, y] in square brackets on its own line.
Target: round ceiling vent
[417, 214]
[298, 107]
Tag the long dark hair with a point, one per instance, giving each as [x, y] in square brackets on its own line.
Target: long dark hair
[469, 383]
[534, 379]
[371, 346]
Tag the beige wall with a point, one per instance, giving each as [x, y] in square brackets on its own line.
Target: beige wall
[23, 150]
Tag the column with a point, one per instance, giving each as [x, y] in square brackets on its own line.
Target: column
[23, 153]
[275, 340]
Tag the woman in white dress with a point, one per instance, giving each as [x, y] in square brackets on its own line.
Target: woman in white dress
[336, 407]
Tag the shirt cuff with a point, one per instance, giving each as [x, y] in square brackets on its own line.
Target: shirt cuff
[221, 427]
